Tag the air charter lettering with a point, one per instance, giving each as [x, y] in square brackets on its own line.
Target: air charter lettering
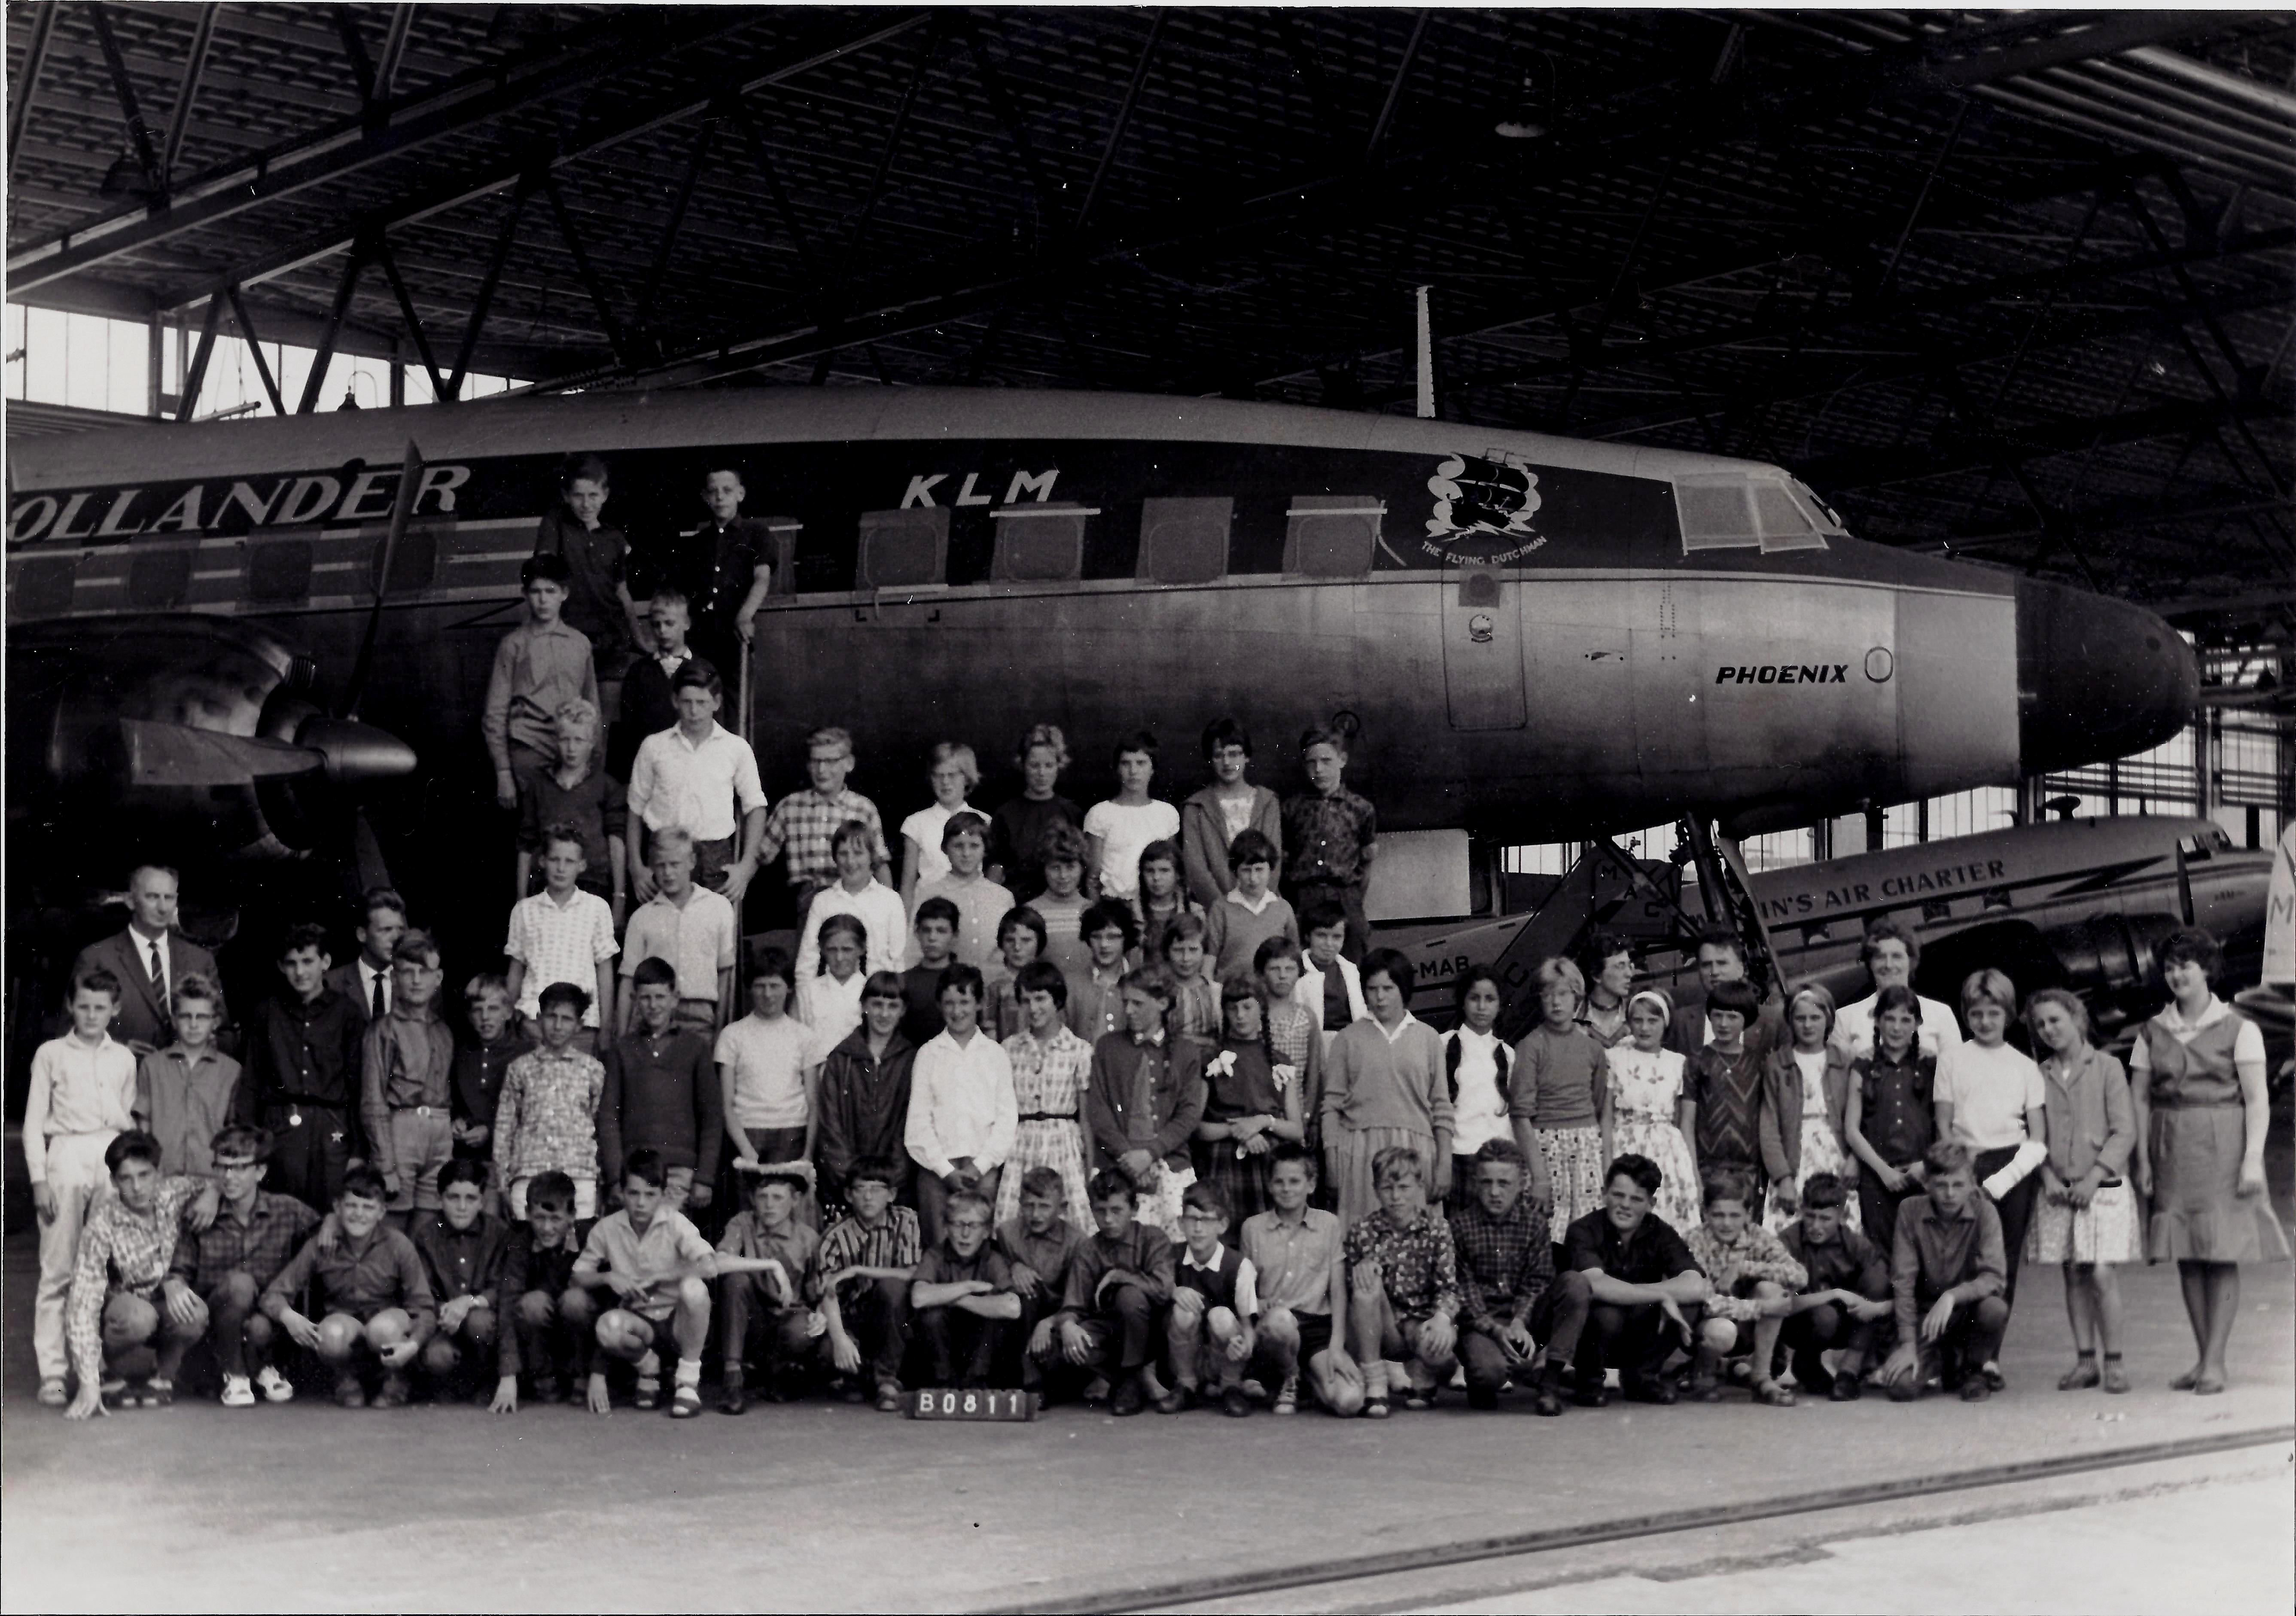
[1979, 873]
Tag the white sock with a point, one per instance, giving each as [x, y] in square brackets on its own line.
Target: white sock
[689, 1372]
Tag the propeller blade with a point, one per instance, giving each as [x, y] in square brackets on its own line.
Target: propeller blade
[177, 755]
[366, 855]
[410, 472]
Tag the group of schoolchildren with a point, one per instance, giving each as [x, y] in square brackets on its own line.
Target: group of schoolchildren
[1113, 1103]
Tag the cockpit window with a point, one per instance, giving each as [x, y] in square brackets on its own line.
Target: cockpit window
[1726, 511]
[1820, 512]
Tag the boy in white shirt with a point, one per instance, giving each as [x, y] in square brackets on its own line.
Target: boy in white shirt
[963, 1113]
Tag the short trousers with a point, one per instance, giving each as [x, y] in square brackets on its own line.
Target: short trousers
[586, 1199]
[422, 1142]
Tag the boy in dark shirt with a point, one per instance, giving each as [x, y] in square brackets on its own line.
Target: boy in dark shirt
[1119, 1285]
[482, 1059]
[961, 1297]
[550, 1317]
[1211, 1330]
[463, 1249]
[936, 923]
[1947, 1273]
[1629, 1295]
[1505, 1261]
[1722, 1084]
[372, 1297]
[303, 1072]
[1847, 1296]
[662, 1091]
[768, 1274]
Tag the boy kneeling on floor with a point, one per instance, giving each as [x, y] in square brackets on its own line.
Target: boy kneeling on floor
[1949, 1274]
[658, 1268]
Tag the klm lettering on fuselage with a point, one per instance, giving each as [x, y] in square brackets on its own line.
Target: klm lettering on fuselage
[202, 507]
[1784, 673]
[920, 491]
[1976, 874]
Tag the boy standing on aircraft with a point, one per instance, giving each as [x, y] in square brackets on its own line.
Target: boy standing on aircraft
[726, 573]
[1331, 836]
[540, 666]
[649, 704]
[693, 778]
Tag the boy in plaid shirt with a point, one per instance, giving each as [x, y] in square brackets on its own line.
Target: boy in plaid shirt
[1755, 1281]
[1403, 1286]
[1505, 1263]
[865, 1265]
[804, 824]
[123, 1252]
[221, 1270]
[546, 1117]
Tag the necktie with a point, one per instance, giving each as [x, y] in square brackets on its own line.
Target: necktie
[380, 1009]
[159, 970]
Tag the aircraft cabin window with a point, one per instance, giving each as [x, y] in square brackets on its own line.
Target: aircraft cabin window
[1039, 544]
[782, 530]
[903, 549]
[42, 587]
[1331, 535]
[1716, 515]
[1183, 541]
[159, 578]
[279, 574]
[1785, 526]
[2196, 847]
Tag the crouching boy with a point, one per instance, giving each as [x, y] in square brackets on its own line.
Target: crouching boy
[1506, 1262]
[1119, 1282]
[1755, 1281]
[1947, 1273]
[1215, 1307]
[1296, 1257]
[962, 1298]
[1845, 1299]
[1403, 1286]
[658, 1267]
[553, 1320]
[768, 1276]
[111, 1313]
[220, 1272]
[367, 1286]
[463, 1249]
[866, 1263]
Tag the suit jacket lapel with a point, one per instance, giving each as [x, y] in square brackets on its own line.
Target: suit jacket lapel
[139, 971]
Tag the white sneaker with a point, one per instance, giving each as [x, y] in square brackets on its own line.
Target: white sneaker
[276, 1387]
[237, 1393]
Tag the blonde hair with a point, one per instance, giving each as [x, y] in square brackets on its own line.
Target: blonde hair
[1556, 969]
[1818, 993]
[2072, 1006]
[576, 717]
[960, 754]
[1988, 987]
[1046, 735]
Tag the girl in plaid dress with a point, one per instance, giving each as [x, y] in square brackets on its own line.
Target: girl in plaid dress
[1251, 1102]
[1052, 1068]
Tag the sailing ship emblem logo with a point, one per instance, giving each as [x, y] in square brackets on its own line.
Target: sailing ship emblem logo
[1484, 507]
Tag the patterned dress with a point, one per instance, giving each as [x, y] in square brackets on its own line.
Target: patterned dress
[1196, 1013]
[1646, 1093]
[1822, 1150]
[1049, 1080]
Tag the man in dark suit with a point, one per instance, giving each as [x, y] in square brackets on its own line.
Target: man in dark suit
[149, 958]
[1722, 958]
[365, 981]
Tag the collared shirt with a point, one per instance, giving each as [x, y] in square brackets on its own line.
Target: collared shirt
[462, 1262]
[370, 977]
[479, 1070]
[850, 1243]
[561, 943]
[1234, 931]
[1853, 1026]
[539, 668]
[863, 1102]
[1651, 1255]
[1205, 1278]
[409, 1063]
[1847, 1262]
[1095, 1003]
[306, 1051]
[1333, 997]
[1124, 830]
[699, 940]
[832, 1009]
[1374, 1078]
[799, 828]
[1417, 1268]
[528, 1267]
[1141, 1251]
[924, 827]
[661, 1092]
[1731, 1265]
[981, 904]
[1046, 1255]
[1050, 1075]
[960, 1103]
[692, 786]
[794, 1245]
[151, 954]
[598, 560]
[185, 1097]
[77, 1088]
[257, 1244]
[657, 1259]
[1990, 1088]
[1293, 1260]
[120, 1251]
[879, 909]
[1895, 1109]
[1324, 837]
[383, 1271]
[2090, 1120]
[1505, 1264]
[545, 1120]
[593, 806]
[941, 1266]
[1936, 1255]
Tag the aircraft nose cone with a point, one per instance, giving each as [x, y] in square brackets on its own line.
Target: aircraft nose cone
[356, 754]
[2097, 678]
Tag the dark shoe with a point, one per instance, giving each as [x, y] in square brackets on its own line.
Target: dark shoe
[1235, 1403]
[1652, 1388]
[1178, 1400]
[1545, 1403]
[1991, 1372]
[1591, 1395]
[1906, 1390]
[686, 1401]
[1127, 1400]
[1482, 1398]
[850, 1390]
[1813, 1376]
[889, 1398]
[349, 1393]
[2080, 1377]
[394, 1393]
[546, 1390]
[1846, 1389]
[733, 1396]
[1974, 1389]
[1705, 1378]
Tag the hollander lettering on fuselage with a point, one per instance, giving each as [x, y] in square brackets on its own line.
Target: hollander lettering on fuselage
[229, 505]
[1974, 875]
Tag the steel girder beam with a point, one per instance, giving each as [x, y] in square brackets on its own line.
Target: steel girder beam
[1651, 120]
[35, 56]
[350, 145]
[196, 67]
[1874, 467]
